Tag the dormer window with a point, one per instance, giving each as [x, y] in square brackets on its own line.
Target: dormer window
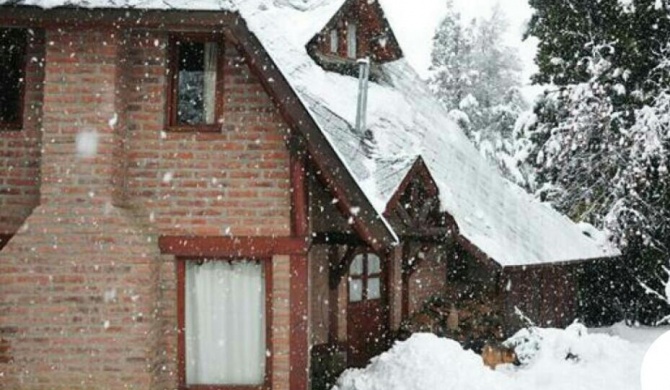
[334, 41]
[351, 40]
[358, 29]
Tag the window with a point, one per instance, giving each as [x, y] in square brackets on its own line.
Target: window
[334, 41]
[224, 317]
[351, 40]
[12, 83]
[196, 101]
[365, 274]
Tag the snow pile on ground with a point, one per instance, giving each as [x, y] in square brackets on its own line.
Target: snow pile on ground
[553, 359]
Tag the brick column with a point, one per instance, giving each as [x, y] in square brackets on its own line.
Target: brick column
[83, 116]
[79, 281]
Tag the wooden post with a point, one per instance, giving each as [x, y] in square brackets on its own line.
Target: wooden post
[333, 297]
[299, 290]
[405, 275]
[395, 287]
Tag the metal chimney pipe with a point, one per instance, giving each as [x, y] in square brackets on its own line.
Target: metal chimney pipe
[363, 77]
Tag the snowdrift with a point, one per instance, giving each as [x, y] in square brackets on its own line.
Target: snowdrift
[553, 359]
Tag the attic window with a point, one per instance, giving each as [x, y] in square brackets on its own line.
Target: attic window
[334, 41]
[351, 40]
[12, 83]
[196, 73]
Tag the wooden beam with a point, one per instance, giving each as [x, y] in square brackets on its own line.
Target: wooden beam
[337, 238]
[224, 246]
[299, 288]
[173, 20]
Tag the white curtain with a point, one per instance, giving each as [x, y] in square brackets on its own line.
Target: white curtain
[225, 323]
[209, 93]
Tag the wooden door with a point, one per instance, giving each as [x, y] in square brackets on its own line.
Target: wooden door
[367, 310]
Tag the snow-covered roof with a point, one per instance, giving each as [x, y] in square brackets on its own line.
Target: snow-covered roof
[498, 217]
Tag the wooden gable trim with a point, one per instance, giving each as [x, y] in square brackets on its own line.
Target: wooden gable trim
[420, 170]
[330, 167]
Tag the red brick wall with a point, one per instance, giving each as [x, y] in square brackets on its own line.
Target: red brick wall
[233, 182]
[20, 150]
[79, 279]
[86, 300]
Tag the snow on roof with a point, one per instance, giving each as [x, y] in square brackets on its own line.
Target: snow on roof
[498, 217]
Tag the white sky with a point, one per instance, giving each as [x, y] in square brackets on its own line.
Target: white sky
[415, 26]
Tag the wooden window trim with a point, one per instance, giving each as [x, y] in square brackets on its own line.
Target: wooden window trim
[173, 82]
[18, 124]
[181, 324]
[364, 277]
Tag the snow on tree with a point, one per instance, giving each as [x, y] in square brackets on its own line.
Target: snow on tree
[476, 76]
[597, 144]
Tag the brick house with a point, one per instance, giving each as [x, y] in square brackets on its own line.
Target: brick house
[154, 154]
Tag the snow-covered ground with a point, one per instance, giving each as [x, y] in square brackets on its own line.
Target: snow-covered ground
[575, 358]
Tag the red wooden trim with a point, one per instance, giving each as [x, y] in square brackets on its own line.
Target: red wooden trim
[181, 330]
[299, 343]
[181, 322]
[181, 20]
[224, 246]
[299, 216]
[299, 289]
[173, 82]
[4, 239]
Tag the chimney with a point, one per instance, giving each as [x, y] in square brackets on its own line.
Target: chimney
[363, 78]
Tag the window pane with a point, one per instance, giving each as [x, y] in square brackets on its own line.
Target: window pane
[334, 41]
[12, 53]
[374, 288]
[355, 290]
[225, 323]
[351, 40]
[374, 264]
[196, 92]
[356, 267]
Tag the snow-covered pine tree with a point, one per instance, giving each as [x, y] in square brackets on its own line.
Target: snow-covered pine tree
[599, 140]
[476, 76]
[452, 67]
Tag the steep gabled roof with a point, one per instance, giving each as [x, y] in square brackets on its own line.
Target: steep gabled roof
[496, 216]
